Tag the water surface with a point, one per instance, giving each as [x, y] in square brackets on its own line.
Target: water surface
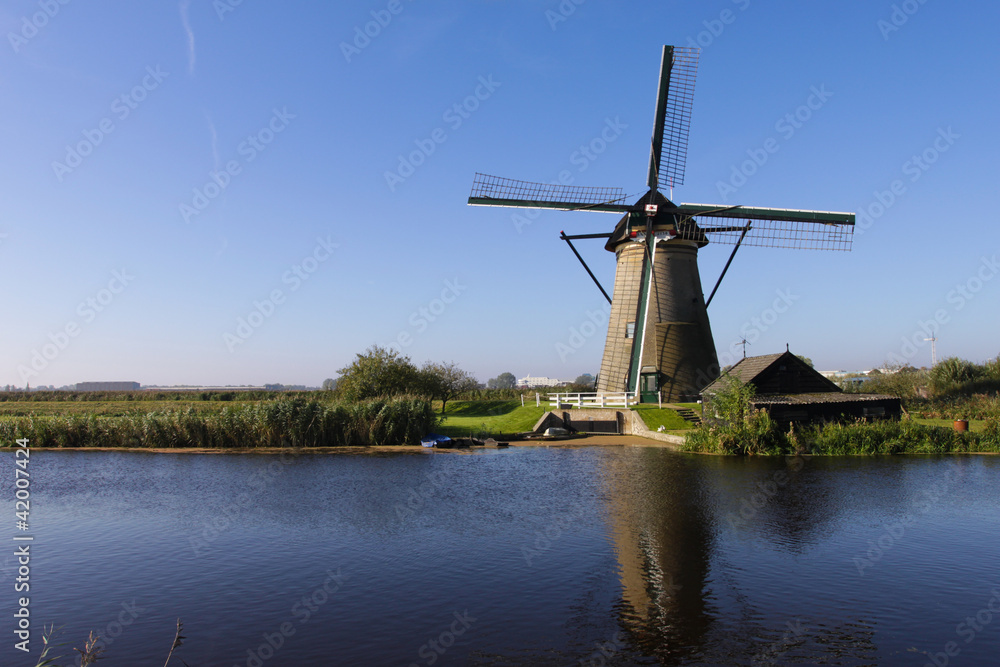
[548, 556]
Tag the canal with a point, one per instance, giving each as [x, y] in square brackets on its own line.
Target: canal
[527, 556]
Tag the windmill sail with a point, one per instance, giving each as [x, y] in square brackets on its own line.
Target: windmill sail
[496, 191]
[768, 227]
[672, 123]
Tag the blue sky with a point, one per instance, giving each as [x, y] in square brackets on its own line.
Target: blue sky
[172, 169]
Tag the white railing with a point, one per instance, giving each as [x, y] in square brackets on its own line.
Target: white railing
[581, 401]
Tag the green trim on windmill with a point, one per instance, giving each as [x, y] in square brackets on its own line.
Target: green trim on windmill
[640, 320]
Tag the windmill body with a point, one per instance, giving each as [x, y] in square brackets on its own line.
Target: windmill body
[659, 341]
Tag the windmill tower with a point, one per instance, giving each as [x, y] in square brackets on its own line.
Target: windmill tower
[659, 336]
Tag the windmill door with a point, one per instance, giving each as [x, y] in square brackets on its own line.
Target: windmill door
[649, 388]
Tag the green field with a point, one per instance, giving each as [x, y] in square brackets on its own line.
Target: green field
[465, 418]
[106, 408]
[493, 417]
[654, 418]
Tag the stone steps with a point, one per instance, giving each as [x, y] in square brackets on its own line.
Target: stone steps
[689, 415]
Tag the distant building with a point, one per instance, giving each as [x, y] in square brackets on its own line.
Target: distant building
[108, 386]
[791, 391]
[193, 387]
[530, 382]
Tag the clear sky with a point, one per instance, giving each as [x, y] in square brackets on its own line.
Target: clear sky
[169, 170]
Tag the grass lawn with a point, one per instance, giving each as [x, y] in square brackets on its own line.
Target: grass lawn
[495, 417]
[465, 417]
[654, 418]
[976, 425]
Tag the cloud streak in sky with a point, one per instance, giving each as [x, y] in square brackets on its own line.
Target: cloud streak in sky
[190, 34]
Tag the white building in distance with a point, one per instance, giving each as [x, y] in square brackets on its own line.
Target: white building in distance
[529, 382]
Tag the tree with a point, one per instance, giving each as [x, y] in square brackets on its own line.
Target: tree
[896, 380]
[329, 384]
[807, 360]
[445, 381]
[733, 403]
[378, 372]
[502, 381]
[585, 380]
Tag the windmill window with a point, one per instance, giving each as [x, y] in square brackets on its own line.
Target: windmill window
[630, 330]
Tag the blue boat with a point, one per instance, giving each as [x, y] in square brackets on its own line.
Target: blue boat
[435, 440]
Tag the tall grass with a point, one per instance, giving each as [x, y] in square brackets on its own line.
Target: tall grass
[979, 407]
[754, 435]
[760, 436]
[292, 422]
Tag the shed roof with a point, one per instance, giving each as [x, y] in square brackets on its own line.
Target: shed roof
[824, 397]
[750, 370]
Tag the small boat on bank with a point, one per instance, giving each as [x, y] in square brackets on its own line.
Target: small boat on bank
[437, 441]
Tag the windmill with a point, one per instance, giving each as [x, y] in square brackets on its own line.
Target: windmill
[659, 337]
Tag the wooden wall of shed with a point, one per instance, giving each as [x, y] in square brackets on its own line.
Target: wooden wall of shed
[790, 375]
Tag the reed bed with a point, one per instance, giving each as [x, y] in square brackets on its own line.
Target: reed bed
[759, 435]
[292, 422]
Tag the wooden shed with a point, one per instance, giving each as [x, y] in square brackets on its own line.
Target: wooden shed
[793, 392]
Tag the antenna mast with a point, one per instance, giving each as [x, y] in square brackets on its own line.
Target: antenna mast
[933, 340]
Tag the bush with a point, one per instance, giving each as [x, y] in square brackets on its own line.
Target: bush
[903, 382]
[734, 427]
